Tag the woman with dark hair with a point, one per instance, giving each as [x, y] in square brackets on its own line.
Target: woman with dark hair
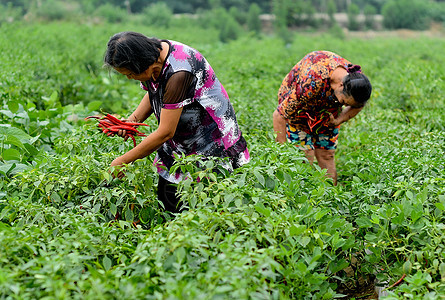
[322, 91]
[191, 106]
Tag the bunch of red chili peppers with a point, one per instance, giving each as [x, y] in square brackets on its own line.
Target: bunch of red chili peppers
[317, 120]
[111, 125]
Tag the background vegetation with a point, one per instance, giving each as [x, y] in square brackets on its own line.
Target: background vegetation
[237, 14]
[275, 229]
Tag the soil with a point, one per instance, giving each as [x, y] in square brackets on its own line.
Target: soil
[359, 286]
[436, 31]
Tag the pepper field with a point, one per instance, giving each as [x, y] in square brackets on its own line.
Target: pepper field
[275, 229]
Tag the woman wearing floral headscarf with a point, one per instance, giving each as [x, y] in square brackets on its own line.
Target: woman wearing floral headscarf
[322, 91]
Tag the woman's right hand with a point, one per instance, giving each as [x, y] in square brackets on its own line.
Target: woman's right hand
[123, 133]
[333, 121]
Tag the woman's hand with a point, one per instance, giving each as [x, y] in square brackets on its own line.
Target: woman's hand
[346, 114]
[123, 133]
[118, 164]
[333, 121]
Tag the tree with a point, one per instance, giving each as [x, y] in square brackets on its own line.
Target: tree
[158, 14]
[409, 14]
[331, 10]
[353, 12]
[253, 18]
[280, 9]
[369, 12]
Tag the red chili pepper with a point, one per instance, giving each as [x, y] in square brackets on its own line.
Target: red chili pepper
[92, 117]
[134, 140]
[113, 119]
[111, 125]
[397, 282]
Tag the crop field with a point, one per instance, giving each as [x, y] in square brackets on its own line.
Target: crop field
[276, 228]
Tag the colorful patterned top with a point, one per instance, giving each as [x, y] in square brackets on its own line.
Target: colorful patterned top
[207, 125]
[305, 97]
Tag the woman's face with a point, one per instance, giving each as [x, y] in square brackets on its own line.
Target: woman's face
[144, 76]
[345, 100]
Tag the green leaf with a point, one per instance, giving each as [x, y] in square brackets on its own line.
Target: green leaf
[11, 154]
[52, 100]
[107, 263]
[94, 105]
[31, 149]
[336, 266]
[259, 207]
[230, 223]
[129, 215]
[107, 176]
[259, 177]
[304, 241]
[410, 195]
[320, 214]
[241, 180]
[12, 140]
[48, 188]
[440, 205]
[297, 229]
[270, 183]
[113, 209]
[13, 106]
[16, 132]
[180, 254]
[287, 178]
[146, 214]
[407, 266]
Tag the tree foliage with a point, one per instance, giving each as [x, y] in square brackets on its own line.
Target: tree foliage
[253, 18]
[192, 6]
[353, 12]
[410, 14]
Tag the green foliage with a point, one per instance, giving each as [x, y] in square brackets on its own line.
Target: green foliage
[331, 10]
[369, 11]
[353, 12]
[275, 228]
[336, 31]
[52, 10]
[9, 13]
[158, 14]
[410, 14]
[223, 21]
[253, 18]
[111, 13]
[230, 30]
[238, 15]
[437, 10]
[281, 11]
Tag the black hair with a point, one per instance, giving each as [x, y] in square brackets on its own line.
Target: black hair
[132, 51]
[358, 86]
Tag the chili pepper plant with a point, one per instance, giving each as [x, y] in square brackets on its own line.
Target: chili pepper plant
[276, 228]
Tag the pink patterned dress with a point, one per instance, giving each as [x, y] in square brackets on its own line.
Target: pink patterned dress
[207, 125]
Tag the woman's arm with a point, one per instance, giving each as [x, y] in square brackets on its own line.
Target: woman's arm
[346, 114]
[143, 111]
[166, 130]
[279, 126]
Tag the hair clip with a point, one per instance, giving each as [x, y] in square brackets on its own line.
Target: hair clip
[354, 69]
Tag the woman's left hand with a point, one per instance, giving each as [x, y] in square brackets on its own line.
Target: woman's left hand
[117, 163]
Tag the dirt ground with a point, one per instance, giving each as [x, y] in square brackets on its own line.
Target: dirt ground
[436, 31]
[359, 286]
